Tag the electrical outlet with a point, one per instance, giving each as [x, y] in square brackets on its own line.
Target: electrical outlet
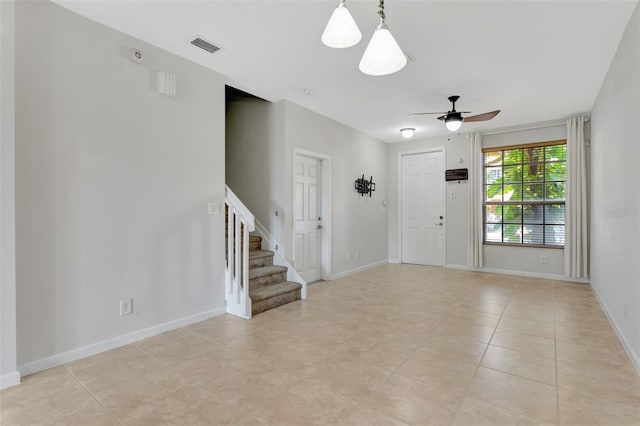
[543, 259]
[126, 307]
[357, 254]
[348, 257]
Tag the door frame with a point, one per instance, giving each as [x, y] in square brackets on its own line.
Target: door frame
[401, 154]
[325, 194]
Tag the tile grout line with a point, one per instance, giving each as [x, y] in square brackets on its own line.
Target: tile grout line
[481, 358]
[405, 360]
[555, 348]
[95, 398]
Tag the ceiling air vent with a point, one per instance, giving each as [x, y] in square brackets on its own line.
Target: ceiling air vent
[203, 44]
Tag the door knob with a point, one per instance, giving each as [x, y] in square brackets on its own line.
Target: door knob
[440, 224]
[319, 227]
[441, 217]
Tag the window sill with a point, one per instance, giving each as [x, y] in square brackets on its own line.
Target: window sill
[522, 245]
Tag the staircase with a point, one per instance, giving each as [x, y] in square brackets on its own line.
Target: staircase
[252, 269]
[268, 285]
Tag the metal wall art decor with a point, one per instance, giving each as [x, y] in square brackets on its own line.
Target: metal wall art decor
[364, 186]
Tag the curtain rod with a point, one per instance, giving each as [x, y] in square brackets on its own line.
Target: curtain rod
[532, 127]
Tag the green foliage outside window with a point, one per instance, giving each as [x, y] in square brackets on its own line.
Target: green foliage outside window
[524, 195]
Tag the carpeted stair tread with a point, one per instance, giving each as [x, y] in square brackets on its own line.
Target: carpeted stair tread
[272, 290]
[255, 242]
[254, 254]
[266, 270]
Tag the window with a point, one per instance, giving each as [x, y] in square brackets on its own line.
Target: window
[524, 194]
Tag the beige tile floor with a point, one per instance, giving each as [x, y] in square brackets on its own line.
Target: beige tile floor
[399, 344]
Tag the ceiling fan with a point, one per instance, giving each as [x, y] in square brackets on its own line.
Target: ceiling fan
[453, 119]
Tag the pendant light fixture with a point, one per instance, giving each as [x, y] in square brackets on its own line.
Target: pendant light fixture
[383, 55]
[341, 30]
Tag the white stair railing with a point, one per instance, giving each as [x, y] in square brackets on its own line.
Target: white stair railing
[240, 223]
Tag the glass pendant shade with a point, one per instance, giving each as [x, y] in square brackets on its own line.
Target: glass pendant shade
[453, 122]
[341, 30]
[383, 55]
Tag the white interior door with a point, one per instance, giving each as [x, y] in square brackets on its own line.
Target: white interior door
[307, 249]
[423, 225]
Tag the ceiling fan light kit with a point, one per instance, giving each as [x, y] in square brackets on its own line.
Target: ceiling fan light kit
[382, 56]
[341, 30]
[453, 122]
[453, 119]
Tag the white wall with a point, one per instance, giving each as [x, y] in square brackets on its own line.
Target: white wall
[359, 224]
[497, 258]
[615, 198]
[8, 361]
[113, 181]
[261, 138]
[524, 259]
[457, 214]
[254, 159]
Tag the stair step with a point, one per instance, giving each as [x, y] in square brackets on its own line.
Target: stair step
[274, 295]
[255, 242]
[259, 277]
[260, 258]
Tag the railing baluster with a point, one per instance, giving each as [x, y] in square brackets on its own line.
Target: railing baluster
[240, 223]
[236, 255]
[245, 266]
[230, 242]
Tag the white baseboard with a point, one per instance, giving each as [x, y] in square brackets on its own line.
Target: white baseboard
[633, 356]
[394, 261]
[358, 269]
[105, 345]
[556, 277]
[461, 267]
[9, 379]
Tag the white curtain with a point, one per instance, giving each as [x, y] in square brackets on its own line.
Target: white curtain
[476, 232]
[576, 247]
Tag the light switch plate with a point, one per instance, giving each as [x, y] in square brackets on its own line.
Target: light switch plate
[214, 208]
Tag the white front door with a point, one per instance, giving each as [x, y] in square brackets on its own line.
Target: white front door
[423, 229]
[307, 239]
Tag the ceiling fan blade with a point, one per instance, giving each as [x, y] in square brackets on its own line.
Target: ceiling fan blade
[425, 113]
[482, 117]
[442, 118]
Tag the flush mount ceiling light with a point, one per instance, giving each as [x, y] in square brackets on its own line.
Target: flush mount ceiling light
[407, 132]
[382, 56]
[341, 30]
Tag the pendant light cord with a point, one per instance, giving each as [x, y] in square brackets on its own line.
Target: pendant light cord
[381, 11]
